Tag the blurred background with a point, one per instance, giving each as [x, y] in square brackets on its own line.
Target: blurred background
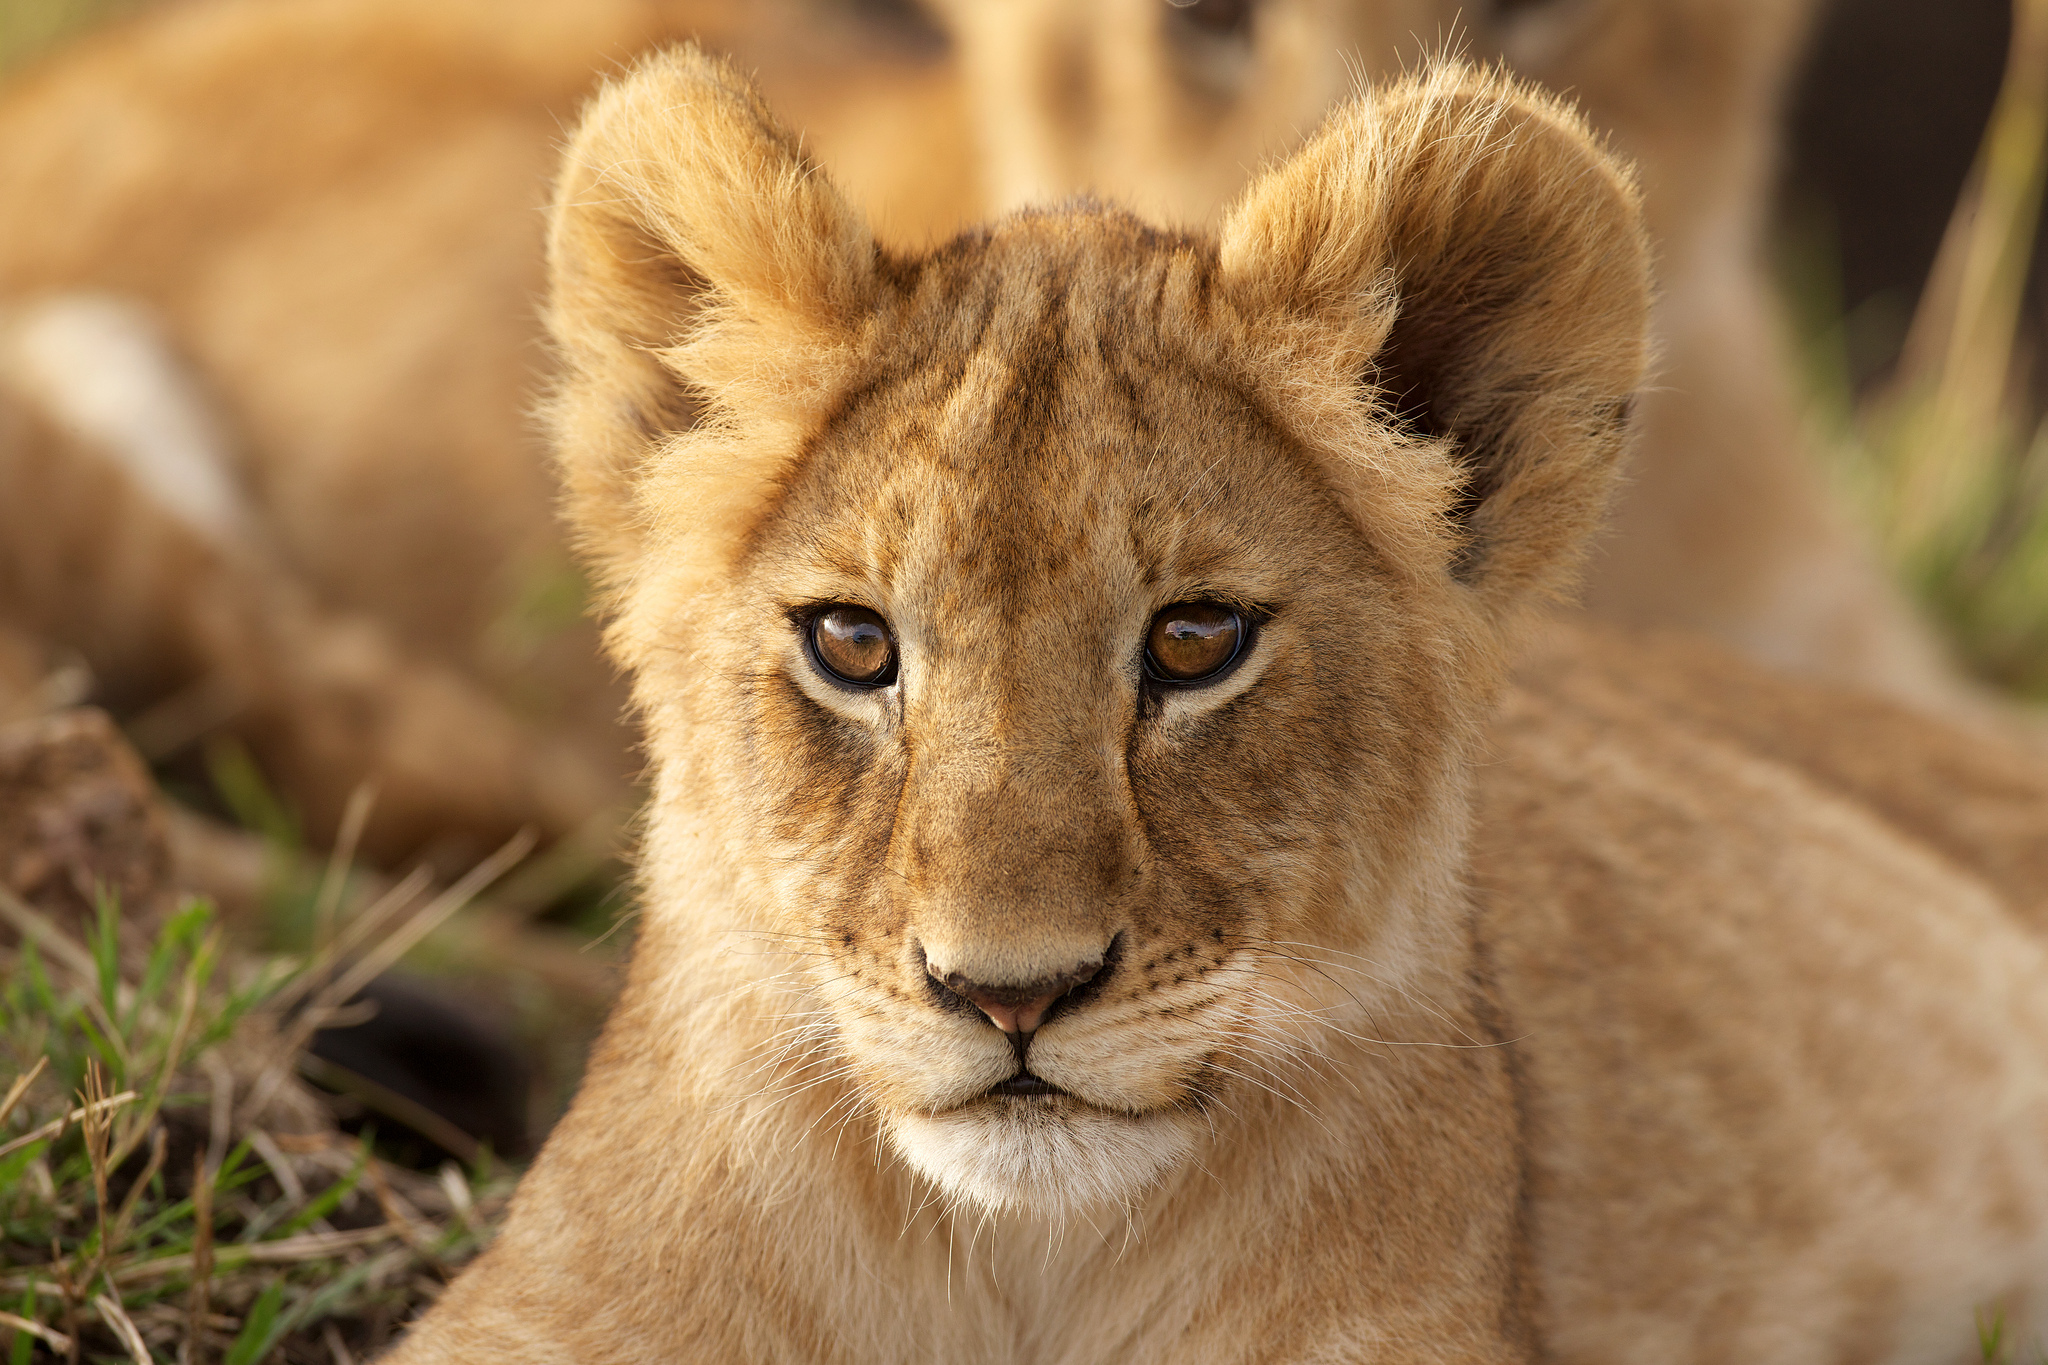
[315, 797]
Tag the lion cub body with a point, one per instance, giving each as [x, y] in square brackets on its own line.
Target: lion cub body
[1613, 1013]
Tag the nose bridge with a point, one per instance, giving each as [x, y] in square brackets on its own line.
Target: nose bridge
[1014, 841]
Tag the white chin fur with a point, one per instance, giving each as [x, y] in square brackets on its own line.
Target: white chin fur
[1043, 1160]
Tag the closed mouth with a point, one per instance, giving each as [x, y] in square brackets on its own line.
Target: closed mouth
[1024, 1084]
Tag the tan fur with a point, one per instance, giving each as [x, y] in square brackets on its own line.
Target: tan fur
[329, 212]
[1440, 1020]
[191, 622]
[329, 209]
[1725, 525]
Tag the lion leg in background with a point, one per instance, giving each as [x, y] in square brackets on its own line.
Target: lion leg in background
[1725, 525]
[123, 538]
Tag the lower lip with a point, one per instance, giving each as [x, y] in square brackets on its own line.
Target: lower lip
[1024, 1086]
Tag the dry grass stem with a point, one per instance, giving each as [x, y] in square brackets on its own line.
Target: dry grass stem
[116, 1317]
[286, 1226]
[196, 1298]
[1949, 463]
[358, 929]
[49, 1336]
[35, 928]
[334, 881]
[18, 1089]
[381, 958]
[280, 1165]
[337, 1349]
[56, 1126]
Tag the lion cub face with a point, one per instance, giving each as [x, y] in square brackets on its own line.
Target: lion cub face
[1060, 647]
[1066, 720]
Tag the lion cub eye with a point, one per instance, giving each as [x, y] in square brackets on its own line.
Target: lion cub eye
[853, 644]
[1192, 641]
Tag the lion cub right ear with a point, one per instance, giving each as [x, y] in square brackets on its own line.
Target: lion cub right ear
[1461, 251]
[707, 283]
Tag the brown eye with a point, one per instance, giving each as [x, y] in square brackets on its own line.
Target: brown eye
[853, 644]
[1190, 641]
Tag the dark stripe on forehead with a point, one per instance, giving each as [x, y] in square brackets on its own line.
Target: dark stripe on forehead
[1047, 300]
[1035, 342]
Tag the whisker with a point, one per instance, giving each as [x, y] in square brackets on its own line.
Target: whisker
[1424, 1001]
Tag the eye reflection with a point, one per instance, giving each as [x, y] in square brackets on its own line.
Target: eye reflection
[1193, 641]
[853, 645]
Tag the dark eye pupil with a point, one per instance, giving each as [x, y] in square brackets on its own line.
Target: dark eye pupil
[1190, 641]
[854, 645]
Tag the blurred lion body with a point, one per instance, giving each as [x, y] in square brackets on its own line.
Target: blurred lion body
[1646, 1007]
[327, 216]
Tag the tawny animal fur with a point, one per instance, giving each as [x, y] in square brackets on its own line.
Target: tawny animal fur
[191, 618]
[1725, 524]
[330, 209]
[1644, 1009]
[330, 214]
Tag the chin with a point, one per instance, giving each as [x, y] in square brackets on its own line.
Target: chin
[1052, 1157]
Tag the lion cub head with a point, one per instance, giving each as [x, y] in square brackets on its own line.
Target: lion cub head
[1053, 647]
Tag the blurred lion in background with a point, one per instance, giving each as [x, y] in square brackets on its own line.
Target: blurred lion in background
[269, 336]
[268, 343]
[1726, 526]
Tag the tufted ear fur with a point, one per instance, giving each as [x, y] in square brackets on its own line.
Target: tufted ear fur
[1462, 247]
[708, 285]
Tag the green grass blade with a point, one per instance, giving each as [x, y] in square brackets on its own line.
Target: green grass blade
[1991, 1335]
[260, 1329]
[179, 937]
[15, 1164]
[104, 941]
[23, 1350]
[329, 1199]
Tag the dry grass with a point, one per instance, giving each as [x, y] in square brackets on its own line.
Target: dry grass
[169, 1189]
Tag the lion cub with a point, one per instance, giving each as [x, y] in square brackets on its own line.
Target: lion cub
[1104, 902]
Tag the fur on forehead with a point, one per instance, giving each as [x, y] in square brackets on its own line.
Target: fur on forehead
[1443, 296]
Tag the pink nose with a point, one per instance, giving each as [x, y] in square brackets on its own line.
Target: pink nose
[1007, 1013]
[1017, 1010]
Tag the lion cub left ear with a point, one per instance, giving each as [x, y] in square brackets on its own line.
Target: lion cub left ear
[705, 277]
[1456, 257]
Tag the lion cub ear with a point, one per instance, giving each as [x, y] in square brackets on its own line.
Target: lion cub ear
[1459, 256]
[706, 285]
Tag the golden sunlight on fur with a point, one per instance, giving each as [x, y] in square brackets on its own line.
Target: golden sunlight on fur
[1010, 989]
[1724, 524]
